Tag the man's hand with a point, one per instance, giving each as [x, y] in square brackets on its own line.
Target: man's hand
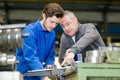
[69, 57]
[49, 66]
[46, 78]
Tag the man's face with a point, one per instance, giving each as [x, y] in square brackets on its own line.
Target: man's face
[69, 25]
[50, 23]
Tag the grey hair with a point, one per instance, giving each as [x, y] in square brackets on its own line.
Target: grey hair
[69, 14]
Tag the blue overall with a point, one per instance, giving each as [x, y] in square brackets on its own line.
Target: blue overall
[37, 48]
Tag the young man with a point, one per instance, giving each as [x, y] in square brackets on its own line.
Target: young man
[38, 47]
[77, 38]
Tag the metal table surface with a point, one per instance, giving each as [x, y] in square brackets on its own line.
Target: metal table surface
[55, 72]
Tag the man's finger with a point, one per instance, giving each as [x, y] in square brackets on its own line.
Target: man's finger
[64, 61]
[49, 66]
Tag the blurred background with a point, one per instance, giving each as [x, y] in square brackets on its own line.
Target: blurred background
[105, 14]
[15, 14]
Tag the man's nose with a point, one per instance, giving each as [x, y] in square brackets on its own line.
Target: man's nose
[54, 25]
[66, 28]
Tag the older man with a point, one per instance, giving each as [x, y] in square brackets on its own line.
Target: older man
[77, 38]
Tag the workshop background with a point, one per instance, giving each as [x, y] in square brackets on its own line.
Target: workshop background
[105, 14]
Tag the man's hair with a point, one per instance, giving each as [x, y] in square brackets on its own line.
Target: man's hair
[69, 14]
[53, 9]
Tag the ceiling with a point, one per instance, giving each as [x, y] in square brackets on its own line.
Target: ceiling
[68, 1]
[104, 6]
[75, 5]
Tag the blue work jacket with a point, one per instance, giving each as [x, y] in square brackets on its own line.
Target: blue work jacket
[37, 49]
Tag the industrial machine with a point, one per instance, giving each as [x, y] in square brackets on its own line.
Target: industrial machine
[10, 38]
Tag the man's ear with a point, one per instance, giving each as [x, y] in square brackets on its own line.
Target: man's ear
[44, 16]
[76, 20]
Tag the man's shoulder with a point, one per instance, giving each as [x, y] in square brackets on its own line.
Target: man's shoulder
[29, 26]
[65, 37]
[87, 24]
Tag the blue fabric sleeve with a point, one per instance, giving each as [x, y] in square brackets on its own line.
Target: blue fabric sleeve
[30, 52]
[50, 60]
[51, 57]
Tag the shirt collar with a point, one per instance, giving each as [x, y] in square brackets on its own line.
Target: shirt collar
[39, 25]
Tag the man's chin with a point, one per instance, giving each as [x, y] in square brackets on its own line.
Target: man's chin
[70, 35]
[49, 29]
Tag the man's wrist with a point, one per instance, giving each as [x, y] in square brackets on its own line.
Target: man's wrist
[74, 50]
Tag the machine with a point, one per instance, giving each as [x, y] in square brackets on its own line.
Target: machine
[10, 38]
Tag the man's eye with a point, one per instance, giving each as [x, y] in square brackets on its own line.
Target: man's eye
[62, 26]
[67, 24]
[52, 22]
[56, 23]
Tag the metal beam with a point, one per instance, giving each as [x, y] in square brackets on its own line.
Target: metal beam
[113, 2]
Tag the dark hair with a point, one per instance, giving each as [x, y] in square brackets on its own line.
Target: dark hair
[53, 9]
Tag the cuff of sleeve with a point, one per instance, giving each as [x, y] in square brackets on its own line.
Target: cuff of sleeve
[41, 77]
[74, 50]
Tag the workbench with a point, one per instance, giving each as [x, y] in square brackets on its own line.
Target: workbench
[83, 71]
[101, 71]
